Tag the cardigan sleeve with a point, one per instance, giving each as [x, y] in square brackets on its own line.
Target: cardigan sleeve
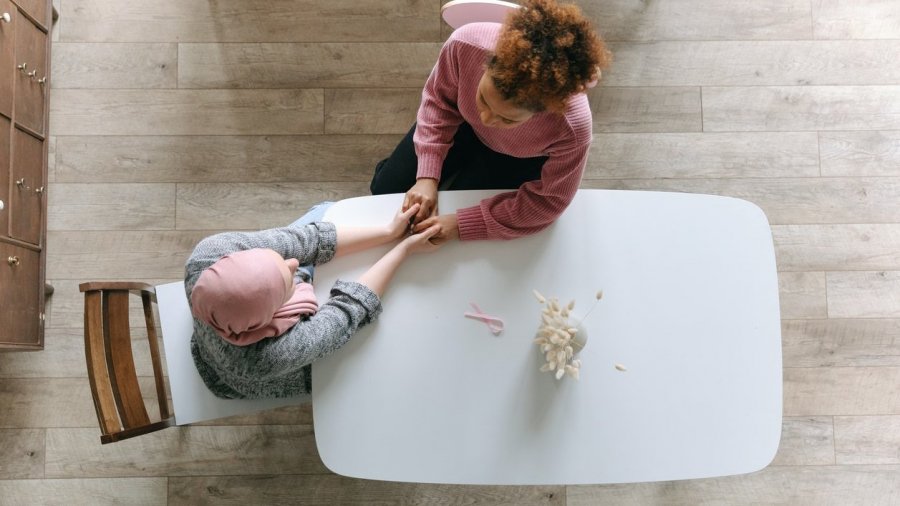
[350, 306]
[312, 243]
[438, 117]
[531, 208]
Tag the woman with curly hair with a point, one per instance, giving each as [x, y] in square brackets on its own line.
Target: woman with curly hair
[503, 108]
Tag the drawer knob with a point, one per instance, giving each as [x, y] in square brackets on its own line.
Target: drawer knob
[6, 17]
[13, 261]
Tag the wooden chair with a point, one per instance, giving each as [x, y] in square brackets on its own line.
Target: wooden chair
[110, 361]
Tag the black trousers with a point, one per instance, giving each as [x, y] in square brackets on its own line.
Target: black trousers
[470, 165]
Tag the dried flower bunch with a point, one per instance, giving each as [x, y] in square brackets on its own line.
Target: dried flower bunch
[558, 337]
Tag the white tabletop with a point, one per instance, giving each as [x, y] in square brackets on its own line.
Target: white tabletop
[690, 308]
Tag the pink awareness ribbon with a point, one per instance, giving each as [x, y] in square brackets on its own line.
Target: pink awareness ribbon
[494, 324]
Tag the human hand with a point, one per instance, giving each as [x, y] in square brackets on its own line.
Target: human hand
[400, 224]
[449, 227]
[421, 242]
[424, 193]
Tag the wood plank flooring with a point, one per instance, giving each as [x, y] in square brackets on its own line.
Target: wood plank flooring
[171, 120]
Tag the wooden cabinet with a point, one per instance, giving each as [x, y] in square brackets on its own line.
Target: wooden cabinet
[5, 157]
[26, 195]
[22, 293]
[24, 94]
[31, 76]
[37, 10]
[8, 22]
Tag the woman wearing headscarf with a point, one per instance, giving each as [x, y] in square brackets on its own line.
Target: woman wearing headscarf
[257, 323]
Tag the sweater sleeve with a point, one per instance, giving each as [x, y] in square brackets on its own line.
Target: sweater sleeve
[531, 208]
[438, 117]
[350, 306]
[313, 243]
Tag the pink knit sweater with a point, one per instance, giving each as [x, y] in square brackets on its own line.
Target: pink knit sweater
[448, 99]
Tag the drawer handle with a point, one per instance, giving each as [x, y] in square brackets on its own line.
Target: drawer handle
[13, 261]
[6, 17]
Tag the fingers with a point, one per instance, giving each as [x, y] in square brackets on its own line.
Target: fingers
[424, 191]
[404, 219]
[412, 196]
[425, 210]
[424, 224]
[426, 206]
[409, 211]
[427, 240]
[431, 231]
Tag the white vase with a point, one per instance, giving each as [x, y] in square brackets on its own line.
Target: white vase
[579, 340]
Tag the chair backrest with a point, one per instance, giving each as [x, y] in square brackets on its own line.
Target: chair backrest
[461, 12]
[110, 361]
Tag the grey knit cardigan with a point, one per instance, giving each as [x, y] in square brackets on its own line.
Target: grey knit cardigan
[277, 366]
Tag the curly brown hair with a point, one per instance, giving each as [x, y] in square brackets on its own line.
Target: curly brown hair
[546, 53]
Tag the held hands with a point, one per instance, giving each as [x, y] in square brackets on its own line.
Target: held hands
[448, 227]
[424, 193]
[400, 224]
[421, 242]
[422, 239]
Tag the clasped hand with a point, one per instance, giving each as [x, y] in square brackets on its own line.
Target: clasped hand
[425, 194]
[417, 240]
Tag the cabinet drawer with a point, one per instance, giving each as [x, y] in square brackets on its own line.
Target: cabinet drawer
[37, 9]
[7, 55]
[4, 175]
[26, 200]
[21, 296]
[30, 75]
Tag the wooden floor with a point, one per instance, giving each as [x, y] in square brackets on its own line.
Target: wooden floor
[173, 119]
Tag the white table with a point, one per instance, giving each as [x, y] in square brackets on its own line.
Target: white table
[690, 307]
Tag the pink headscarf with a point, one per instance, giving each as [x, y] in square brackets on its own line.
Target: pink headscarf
[240, 297]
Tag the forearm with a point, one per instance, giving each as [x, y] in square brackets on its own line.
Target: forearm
[379, 275]
[310, 243]
[438, 117]
[354, 239]
[350, 306]
[531, 208]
